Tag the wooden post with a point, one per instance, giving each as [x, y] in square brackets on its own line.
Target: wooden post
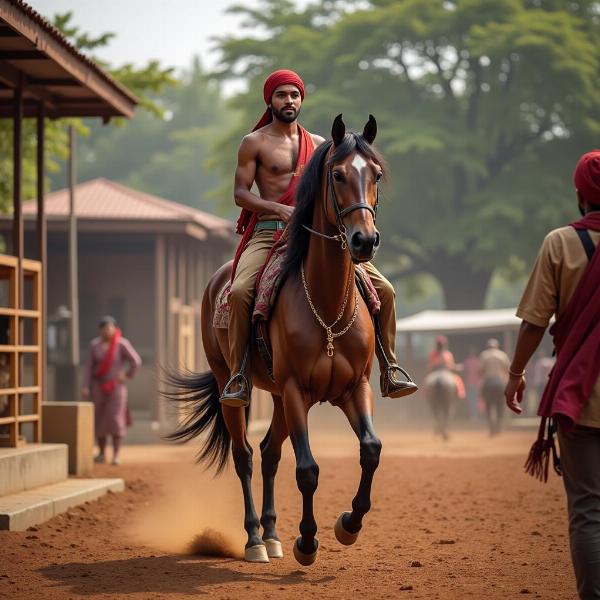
[159, 318]
[42, 243]
[18, 235]
[73, 279]
[18, 246]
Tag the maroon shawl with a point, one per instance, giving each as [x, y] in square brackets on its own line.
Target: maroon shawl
[106, 364]
[577, 341]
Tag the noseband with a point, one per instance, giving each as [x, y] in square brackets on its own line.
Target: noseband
[341, 213]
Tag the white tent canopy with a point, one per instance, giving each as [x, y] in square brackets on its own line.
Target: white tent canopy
[459, 321]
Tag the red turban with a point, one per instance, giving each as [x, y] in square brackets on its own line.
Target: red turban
[273, 81]
[587, 177]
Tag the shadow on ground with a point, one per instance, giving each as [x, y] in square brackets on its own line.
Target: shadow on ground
[166, 574]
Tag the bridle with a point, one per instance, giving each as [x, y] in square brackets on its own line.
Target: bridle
[340, 237]
[341, 213]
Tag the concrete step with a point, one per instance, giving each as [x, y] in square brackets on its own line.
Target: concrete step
[32, 466]
[30, 507]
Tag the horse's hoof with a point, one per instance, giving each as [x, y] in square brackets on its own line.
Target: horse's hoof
[343, 536]
[274, 548]
[256, 554]
[305, 559]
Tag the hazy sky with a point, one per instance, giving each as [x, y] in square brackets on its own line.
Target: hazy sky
[169, 30]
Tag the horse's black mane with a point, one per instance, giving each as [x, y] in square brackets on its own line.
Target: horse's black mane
[309, 189]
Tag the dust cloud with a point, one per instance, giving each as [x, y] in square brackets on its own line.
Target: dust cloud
[193, 513]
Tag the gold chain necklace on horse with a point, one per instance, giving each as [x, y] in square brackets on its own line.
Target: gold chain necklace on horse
[331, 335]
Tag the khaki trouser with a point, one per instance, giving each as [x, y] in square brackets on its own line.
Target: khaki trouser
[241, 299]
[387, 312]
[579, 452]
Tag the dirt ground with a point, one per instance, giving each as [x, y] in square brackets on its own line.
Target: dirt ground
[449, 521]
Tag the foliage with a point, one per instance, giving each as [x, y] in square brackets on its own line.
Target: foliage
[483, 107]
[166, 157]
[144, 81]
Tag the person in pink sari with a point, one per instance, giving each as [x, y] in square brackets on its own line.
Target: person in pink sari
[112, 361]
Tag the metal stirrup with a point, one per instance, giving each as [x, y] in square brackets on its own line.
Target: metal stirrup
[240, 377]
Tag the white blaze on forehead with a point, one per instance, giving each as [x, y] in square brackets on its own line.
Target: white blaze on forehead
[359, 163]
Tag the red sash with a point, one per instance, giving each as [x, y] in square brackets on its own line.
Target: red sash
[248, 219]
[105, 366]
[577, 341]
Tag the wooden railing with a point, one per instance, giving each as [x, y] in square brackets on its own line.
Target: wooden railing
[20, 400]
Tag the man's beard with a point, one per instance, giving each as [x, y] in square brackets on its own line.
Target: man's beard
[285, 117]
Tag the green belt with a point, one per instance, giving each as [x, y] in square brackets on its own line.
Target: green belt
[273, 225]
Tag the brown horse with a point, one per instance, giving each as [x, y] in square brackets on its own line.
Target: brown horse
[332, 228]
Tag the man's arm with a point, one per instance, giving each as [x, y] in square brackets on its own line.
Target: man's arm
[538, 304]
[528, 340]
[245, 173]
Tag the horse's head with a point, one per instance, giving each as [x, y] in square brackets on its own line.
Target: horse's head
[354, 171]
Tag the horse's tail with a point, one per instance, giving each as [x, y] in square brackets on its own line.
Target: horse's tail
[197, 397]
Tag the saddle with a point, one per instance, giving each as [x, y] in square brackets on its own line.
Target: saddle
[268, 285]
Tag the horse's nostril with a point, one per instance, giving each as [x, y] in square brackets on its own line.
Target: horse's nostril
[356, 240]
[377, 240]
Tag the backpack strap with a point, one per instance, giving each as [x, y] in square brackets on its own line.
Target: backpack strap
[586, 242]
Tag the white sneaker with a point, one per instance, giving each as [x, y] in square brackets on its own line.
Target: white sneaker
[116, 461]
[100, 458]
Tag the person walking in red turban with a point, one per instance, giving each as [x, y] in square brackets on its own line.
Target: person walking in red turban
[565, 282]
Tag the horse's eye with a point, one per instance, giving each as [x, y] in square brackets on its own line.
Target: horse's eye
[337, 176]
[378, 176]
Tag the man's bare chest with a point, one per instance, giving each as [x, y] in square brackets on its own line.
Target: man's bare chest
[278, 160]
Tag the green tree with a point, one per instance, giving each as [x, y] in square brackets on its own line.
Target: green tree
[144, 82]
[483, 106]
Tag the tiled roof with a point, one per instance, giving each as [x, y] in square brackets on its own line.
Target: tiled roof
[101, 199]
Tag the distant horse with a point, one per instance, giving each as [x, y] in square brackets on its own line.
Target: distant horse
[322, 340]
[441, 392]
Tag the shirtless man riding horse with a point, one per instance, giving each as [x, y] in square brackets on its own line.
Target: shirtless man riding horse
[272, 157]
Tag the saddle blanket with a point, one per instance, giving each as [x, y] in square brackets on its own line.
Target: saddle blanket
[267, 287]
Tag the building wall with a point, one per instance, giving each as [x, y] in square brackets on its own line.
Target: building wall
[116, 277]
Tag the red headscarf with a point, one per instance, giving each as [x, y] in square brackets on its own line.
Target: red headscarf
[273, 81]
[587, 177]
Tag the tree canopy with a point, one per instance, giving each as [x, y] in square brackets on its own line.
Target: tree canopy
[145, 81]
[483, 107]
[166, 157]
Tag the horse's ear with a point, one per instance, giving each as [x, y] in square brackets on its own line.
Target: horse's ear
[370, 130]
[338, 130]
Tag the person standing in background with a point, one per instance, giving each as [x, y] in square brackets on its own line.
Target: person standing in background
[541, 371]
[441, 357]
[112, 361]
[494, 376]
[471, 366]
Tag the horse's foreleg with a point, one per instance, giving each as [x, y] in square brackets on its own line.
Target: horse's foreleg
[235, 420]
[307, 473]
[359, 412]
[270, 449]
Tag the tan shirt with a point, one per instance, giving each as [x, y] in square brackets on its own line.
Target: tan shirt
[494, 364]
[558, 268]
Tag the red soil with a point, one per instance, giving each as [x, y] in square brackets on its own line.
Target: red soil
[448, 522]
